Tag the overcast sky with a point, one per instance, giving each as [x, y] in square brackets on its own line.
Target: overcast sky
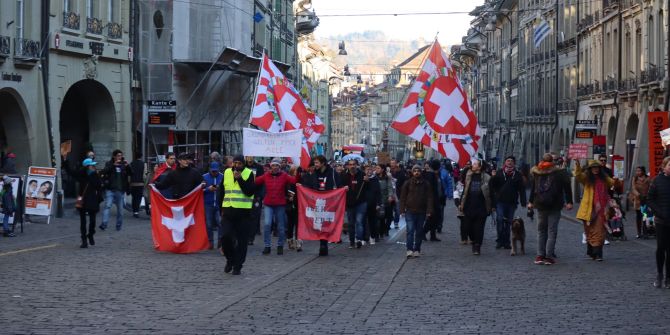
[451, 27]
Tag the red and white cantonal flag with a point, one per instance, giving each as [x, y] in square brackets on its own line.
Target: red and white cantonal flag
[178, 225]
[437, 111]
[321, 214]
[279, 107]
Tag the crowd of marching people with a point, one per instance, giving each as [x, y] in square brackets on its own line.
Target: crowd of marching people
[239, 192]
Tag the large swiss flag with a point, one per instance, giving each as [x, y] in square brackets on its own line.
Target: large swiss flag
[321, 214]
[178, 226]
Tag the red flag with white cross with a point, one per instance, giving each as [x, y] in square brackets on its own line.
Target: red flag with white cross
[437, 111]
[178, 226]
[321, 214]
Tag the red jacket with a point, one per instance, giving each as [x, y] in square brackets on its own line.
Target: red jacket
[275, 187]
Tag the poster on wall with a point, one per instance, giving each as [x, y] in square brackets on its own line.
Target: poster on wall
[40, 189]
[658, 121]
[16, 184]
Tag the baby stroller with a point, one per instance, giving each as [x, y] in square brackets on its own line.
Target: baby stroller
[648, 226]
[615, 218]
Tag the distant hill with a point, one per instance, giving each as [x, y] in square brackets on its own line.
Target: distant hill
[370, 51]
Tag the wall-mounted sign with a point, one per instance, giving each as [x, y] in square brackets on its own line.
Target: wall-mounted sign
[12, 77]
[585, 133]
[586, 124]
[162, 118]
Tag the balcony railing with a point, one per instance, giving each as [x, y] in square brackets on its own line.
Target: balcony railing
[114, 30]
[26, 49]
[5, 49]
[610, 85]
[94, 25]
[629, 84]
[71, 20]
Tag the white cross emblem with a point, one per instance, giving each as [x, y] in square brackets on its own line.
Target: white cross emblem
[449, 106]
[285, 107]
[178, 223]
[319, 215]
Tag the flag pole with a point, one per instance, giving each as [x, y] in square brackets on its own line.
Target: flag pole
[258, 78]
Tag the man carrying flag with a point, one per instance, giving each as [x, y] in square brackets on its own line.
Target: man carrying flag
[237, 192]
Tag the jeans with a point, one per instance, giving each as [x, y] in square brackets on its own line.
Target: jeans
[279, 214]
[396, 212]
[213, 220]
[414, 222]
[547, 229]
[5, 224]
[355, 217]
[505, 214]
[116, 198]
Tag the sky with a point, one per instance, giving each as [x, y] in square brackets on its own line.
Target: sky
[451, 27]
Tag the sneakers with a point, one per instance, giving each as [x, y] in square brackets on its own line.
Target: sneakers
[266, 251]
[539, 260]
[372, 241]
[359, 244]
[280, 250]
[583, 238]
[298, 246]
[101, 227]
[136, 215]
[396, 226]
[607, 242]
[416, 254]
[410, 253]
[237, 272]
[9, 234]
[228, 267]
[352, 245]
[549, 261]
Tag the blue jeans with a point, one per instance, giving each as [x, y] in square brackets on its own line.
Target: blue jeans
[504, 217]
[5, 224]
[279, 214]
[356, 224]
[396, 212]
[414, 223]
[213, 220]
[113, 198]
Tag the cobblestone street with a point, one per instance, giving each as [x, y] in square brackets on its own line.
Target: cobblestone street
[122, 285]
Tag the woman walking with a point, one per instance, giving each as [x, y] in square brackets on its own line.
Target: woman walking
[8, 205]
[658, 199]
[90, 193]
[476, 196]
[385, 215]
[638, 195]
[593, 208]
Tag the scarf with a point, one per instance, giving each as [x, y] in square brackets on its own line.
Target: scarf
[600, 199]
[545, 165]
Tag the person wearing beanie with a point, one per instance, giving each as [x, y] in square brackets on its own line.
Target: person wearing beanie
[276, 182]
[508, 190]
[237, 194]
[549, 190]
[416, 204]
[183, 179]
[212, 179]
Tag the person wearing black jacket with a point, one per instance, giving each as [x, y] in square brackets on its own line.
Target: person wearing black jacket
[373, 199]
[399, 175]
[357, 182]
[432, 177]
[259, 194]
[183, 179]
[658, 200]
[508, 189]
[324, 178]
[137, 183]
[115, 180]
[236, 213]
[90, 191]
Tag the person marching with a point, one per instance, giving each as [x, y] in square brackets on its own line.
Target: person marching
[508, 189]
[476, 196]
[324, 178]
[91, 195]
[276, 182]
[115, 178]
[8, 205]
[658, 199]
[212, 204]
[416, 204]
[237, 192]
[593, 207]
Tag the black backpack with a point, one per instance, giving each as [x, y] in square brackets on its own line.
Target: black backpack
[547, 192]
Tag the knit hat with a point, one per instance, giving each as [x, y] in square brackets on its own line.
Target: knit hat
[275, 161]
[185, 155]
[238, 158]
[511, 157]
[416, 166]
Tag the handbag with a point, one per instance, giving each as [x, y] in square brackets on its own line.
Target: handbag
[80, 199]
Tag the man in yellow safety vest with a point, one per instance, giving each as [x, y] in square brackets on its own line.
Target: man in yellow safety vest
[237, 192]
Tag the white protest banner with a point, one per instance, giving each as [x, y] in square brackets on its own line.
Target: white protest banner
[40, 190]
[259, 143]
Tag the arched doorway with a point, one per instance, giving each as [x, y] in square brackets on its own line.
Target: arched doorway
[15, 129]
[87, 118]
[631, 138]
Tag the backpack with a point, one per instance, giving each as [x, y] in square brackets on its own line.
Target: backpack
[546, 191]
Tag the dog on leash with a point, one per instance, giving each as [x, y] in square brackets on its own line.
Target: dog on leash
[518, 234]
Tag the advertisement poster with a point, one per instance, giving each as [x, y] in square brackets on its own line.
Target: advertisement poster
[16, 183]
[658, 121]
[578, 151]
[40, 190]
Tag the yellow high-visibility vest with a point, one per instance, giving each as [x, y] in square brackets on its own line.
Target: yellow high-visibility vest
[234, 197]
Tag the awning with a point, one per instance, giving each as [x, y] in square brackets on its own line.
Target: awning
[233, 60]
